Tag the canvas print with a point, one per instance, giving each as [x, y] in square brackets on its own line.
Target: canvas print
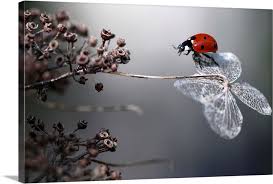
[110, 92]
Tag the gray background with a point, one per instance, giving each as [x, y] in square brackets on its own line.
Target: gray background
[172, 126]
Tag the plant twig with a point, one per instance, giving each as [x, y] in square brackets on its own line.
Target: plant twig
[218, 77]
[133, 164]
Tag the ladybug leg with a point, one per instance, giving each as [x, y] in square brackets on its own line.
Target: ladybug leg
[211, 58]
[197, 60]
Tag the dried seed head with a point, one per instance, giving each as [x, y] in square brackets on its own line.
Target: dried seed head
[114, 67]
[53, 45]
[121, 52]
[31, 119]
[61, 28]
[106, 34]
[29, 37]
[82, 59]
[92, 41]
[121, 42]
[59, 60]
[82, 80]
[108, 143]
[100, 171]
[47, 27]
[103, 134]
[100, 50]
[46, 75]
[62, 15]
[82, 124]
[44, 18]
[59, 127]
[84, 162]
[31, 26]
[99, 87]
[40, 125]
[85, 52]
[93, 152]
[115, 175]
[70, 37]
[27, 14]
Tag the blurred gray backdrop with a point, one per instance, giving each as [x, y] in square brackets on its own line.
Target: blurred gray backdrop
[172, 126]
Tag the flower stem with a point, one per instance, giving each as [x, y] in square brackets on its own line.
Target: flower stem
[218, 77]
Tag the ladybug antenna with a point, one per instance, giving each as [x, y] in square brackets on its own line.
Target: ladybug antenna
[174, 47]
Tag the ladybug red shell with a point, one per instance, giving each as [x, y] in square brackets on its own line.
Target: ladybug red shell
[203, 43]
[199, 43]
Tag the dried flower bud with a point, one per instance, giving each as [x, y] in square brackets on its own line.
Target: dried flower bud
[92, 41]
[121, 42]
[61, 28]
[100, 50]
[108, 143]
[115, 175]
[27, 14]
[43, 97]
[46, 75]
[29, 37]
[121, 52]
[99, 87]
[103, 134]
[85, 52]
[47, 27]
[44, 18]
[114, 67]
[31, 119]
[84, 162]
[31, 26]
[93, 152]
[100, 171]
[59, 127]
[70, 37]
[106, 34]
[59, 60]
[62, 15]
[40, 125]
[53, 45]
[82, 80]
[82, 124]
[82, 59]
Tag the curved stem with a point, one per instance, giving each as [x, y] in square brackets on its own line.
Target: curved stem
[218, 77]
[133, 164]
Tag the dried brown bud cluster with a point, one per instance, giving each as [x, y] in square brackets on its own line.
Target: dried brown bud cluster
[55, 151]
[50, 40]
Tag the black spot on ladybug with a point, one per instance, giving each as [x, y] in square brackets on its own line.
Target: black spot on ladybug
[202, 47]
[205, 37]
[215, 45]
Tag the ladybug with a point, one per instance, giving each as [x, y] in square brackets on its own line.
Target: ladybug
[199, 44]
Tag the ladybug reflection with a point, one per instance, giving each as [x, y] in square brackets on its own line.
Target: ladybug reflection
[199, 44]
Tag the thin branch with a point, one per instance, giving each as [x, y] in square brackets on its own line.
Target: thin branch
[218, 77]
[170, 77]
[134, 164]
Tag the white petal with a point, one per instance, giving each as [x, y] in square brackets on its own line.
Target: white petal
[252, 97]
[229, 65]
[224, 116]
[201, 90]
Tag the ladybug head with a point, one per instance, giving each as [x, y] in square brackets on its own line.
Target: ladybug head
[185, 46]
